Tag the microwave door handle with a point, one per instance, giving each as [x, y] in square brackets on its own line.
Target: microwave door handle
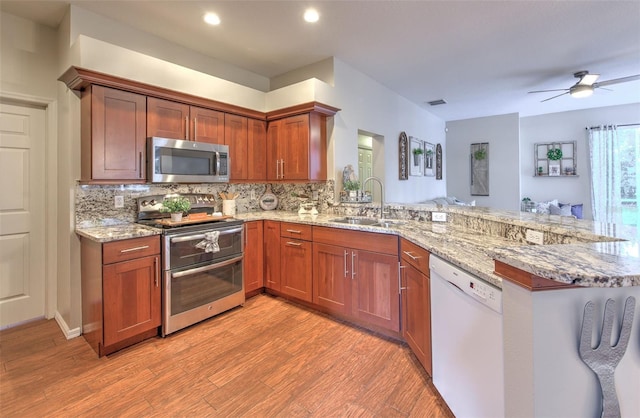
[205, 268]
[217, 163]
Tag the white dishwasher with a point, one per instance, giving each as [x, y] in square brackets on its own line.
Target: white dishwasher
[466, 334]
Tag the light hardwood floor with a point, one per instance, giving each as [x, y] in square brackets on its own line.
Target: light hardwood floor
[268, 358]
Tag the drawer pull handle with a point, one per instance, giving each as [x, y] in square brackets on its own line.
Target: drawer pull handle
[294, 231]
[296, 244]
[128, 250]
[413, 257]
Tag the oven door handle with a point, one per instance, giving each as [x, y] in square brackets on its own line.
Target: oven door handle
[201, 236]
[205, 268]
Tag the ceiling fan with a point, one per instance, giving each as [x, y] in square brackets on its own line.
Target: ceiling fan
[587, 83]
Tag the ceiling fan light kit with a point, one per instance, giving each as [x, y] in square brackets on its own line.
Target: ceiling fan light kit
[581, 90]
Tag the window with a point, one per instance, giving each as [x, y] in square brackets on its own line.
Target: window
[615, 174]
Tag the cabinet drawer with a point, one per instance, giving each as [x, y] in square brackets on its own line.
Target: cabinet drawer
[297, 231]
[415, 255]
[128, 249]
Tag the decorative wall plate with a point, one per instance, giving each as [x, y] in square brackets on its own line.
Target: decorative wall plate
[268, 201]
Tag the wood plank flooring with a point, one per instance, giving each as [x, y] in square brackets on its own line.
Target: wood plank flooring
[270, 358]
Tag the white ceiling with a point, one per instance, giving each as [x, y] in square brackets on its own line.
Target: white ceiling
[480, 56]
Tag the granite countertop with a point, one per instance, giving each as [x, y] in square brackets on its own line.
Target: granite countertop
[600, 264]
[117, 232]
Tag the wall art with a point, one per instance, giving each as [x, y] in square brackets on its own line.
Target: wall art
[403, 156]
[416, 149]
[429, 159]
[479, 169]
[438, 162]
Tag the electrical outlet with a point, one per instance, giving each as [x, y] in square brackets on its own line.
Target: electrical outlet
[314, 195]
[438, 216]
[252, 195]
[119, 201]
[535, 237]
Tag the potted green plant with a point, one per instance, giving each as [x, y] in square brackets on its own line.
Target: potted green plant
[176, 206]
[417, 152]
[351, 187]
[480, 154]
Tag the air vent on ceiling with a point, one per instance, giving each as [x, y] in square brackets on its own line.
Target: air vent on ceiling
[437, 102]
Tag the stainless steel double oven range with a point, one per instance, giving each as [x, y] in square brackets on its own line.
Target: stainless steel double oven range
[201, 262]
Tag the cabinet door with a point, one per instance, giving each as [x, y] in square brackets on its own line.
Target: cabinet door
[272, 255]
[207, 125]
[273, 158]
[296, 269]
[253, 256]
[416, 314]
[375, 296]
[118, 135]
[257, 150]
[167, 119]
[293, 147]
[236, 137]
[131, 292]
[332, 278]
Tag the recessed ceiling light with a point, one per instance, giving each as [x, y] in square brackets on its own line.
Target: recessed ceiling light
[311, 15]
[212, 19]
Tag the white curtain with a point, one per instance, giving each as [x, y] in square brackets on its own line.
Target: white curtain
[606, 174]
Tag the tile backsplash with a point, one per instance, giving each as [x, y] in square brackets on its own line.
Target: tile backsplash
[95, 203]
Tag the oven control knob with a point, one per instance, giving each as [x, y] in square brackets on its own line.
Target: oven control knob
[144, 203]
[153, 202]
[206, 199]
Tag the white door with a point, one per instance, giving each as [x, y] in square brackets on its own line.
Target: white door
[22, 214]
[365, 166]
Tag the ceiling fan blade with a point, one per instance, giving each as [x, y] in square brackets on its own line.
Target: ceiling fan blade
[588, 79]
[546, 91]
[545, 100]
[617, 80]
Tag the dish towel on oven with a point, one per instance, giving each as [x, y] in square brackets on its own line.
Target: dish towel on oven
[210, 242]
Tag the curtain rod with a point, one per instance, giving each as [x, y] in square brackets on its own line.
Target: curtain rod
[628, 124]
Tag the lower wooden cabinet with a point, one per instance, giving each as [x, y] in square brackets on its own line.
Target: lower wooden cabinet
[121, 292]
[356, 274]
[272, 255]
[296, 261]
[253, 257]
[416, 306]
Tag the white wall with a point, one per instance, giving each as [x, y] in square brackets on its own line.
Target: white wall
[566, 126]
[371, 107]
[502, 134]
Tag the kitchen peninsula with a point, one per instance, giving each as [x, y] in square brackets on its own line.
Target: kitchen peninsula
[542, 315]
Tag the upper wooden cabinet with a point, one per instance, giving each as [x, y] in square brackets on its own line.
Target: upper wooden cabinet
[247, 141]
[297, 143]
[169, 119]
[113, 132]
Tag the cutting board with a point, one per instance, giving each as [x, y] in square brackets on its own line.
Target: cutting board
[190, 220]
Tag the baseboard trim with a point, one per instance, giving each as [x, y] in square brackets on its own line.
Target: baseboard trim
[68, 333]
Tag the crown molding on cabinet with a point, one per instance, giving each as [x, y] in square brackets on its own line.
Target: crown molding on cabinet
[77, 78]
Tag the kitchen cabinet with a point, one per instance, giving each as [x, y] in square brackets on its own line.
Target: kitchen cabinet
[272, 255]
[295, 261]
[169, 119]
[253, 257]
[113, 135]
[121, 292]
[416, 300]
[297, 148]
[359, 277]
[247, 141]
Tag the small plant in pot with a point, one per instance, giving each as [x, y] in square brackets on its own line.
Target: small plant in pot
[351, 187]
[417, 152]
[176, 206]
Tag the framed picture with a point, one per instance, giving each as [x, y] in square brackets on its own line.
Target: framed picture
[416, 154]
[480, 169]
[554, 170]
[429, 159]
[403, 156]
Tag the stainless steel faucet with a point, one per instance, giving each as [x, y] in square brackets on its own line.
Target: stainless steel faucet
[364, 183]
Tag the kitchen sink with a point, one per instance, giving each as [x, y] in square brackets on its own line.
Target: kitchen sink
[368, 221]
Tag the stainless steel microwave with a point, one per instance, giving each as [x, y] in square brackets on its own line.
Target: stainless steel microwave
[178, 161]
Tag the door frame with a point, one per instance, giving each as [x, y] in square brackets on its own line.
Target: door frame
[50, 107]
